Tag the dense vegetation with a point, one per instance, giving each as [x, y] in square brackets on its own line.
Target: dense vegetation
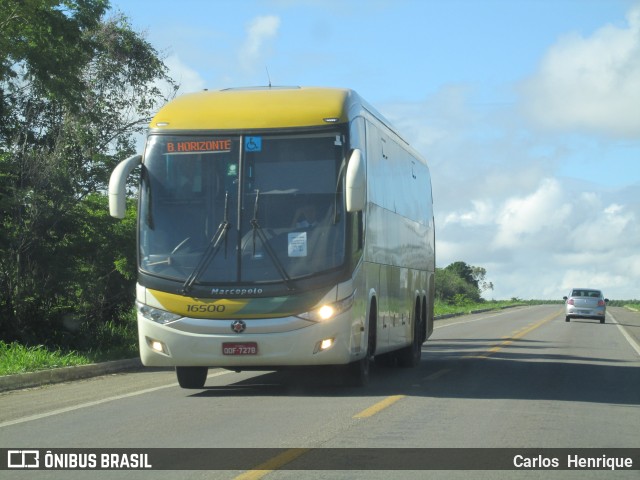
[460, 283]
[75, 88]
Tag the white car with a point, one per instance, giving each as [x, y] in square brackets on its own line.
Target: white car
[585, 303]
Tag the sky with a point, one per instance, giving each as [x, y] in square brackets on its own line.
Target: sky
[527, 112]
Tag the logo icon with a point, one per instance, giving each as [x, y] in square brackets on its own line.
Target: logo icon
[238, 326]
[23, 459]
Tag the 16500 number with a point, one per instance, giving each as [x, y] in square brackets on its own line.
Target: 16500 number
[211, 308]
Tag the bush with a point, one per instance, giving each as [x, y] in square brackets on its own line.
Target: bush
[452, 289]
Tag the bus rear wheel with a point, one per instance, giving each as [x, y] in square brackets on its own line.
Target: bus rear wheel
[409, 356]
[191, 377]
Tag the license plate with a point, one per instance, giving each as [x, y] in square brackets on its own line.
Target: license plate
[584, 312]
[244, 348]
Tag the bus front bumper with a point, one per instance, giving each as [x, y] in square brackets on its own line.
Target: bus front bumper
[191, 342]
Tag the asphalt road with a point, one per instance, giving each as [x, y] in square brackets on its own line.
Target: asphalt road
[519, 378]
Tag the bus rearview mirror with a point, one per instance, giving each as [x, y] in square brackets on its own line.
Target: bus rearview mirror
[118, 186]
[356, 182]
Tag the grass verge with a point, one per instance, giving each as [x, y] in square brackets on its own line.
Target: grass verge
[114, 340]
[16, 358]
[443, 308]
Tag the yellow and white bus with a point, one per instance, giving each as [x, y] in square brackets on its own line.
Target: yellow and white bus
[279, 227]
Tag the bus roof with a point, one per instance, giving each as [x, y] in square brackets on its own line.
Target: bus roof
[256, 108]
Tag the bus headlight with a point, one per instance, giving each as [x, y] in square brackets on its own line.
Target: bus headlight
[156, 315]
[328, 311]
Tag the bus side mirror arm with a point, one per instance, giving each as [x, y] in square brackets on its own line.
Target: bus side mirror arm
[356, 182]
[118, 186]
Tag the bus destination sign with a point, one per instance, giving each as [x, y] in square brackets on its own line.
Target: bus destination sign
[210, 146]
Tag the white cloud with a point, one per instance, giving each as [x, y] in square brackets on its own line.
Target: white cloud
[537, 243]
[601, 225]
[521, 218]
[188, 78]
[590, 83]
[482, 213]
[260, 31]
[586, 277]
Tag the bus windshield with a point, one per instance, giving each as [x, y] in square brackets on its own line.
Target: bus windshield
[242, 209]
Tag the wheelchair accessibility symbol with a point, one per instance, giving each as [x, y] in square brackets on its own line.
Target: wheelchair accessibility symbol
[253, 144]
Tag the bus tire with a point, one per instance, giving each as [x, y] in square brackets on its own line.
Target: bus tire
[191, 377]
[386, 360]
[409, 356]
[358, 372]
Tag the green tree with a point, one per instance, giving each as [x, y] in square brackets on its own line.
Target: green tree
[479, 275]
[75, 87]
[464, 271]
[459, 282]
[44, 43]
[451, 288]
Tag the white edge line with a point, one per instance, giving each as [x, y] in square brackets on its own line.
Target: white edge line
[626, 335]
[98, 402]
[471, 321]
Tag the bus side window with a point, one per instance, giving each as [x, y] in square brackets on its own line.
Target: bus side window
[357, 234]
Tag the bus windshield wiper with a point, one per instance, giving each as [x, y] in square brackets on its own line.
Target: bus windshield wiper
[336, 193]
[257, 230]
[211, 250]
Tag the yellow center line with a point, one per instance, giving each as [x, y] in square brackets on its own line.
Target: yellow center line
[289, 455]
[517, 335]
[273, 464]
[372, 410]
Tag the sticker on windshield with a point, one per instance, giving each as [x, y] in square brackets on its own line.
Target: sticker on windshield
[253, 144]
[298, 244]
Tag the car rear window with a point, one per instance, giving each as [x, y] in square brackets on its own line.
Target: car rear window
[586, 293]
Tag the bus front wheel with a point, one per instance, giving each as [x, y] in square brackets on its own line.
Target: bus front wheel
[191, 377]
[358, 372]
